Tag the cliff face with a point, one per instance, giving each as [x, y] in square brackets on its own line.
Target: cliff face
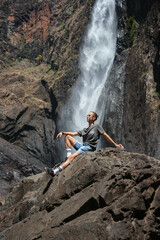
[142, 84]
[109, 194]
[133, 111]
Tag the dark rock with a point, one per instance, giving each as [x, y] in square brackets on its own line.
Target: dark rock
[139, 8]
[15, 164]
[110, 194]
[114, 87]
[28, 110]
[141, 95]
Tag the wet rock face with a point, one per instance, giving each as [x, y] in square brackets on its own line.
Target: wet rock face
[114, 89]
[132, 109]
[109, 194]
[141, 116]
[133, 100]
[139, 8]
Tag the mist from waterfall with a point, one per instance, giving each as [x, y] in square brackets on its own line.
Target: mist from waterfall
[96, 59]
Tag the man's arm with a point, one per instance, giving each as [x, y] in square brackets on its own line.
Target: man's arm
[67, 133]
[109, 139]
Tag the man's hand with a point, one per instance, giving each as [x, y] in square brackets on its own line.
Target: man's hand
[109, 139]
[59, 135]
[120, 145]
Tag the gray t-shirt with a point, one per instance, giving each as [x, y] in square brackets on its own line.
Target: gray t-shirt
[91, 135]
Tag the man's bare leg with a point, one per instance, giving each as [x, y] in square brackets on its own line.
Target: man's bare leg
[52, 172]
[69, 141]
[69, 159]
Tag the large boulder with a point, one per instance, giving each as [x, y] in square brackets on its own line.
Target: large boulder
[109, 194]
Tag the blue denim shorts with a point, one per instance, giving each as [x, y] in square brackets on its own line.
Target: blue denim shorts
[82, 147]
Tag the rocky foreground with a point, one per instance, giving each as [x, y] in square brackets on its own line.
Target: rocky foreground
[110, 194]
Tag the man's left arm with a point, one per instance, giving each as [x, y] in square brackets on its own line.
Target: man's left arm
[109, 139]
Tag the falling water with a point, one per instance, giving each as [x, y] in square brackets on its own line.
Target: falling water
[96, 59]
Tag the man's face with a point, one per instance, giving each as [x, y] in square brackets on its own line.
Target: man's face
[90, 117]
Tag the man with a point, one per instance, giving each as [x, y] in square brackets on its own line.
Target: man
[90, 136]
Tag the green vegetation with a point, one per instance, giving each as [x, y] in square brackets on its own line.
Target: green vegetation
[132, 27]
[155, 107]
[27, 70]
[90, 3]
[23, 40]
[15, 63]
[156, 94]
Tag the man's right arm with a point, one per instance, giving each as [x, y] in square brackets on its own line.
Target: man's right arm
[109, 139]
[67, 133]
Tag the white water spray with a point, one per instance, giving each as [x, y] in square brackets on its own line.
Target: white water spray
[96, 59]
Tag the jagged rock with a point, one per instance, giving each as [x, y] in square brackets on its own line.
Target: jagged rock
[109, 194]
[15, 164]
[26, 117]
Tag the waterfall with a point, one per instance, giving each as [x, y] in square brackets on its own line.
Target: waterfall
[96, 59]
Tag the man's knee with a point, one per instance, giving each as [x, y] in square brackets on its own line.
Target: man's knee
[67, 137]
[69, 159]
[72, 156]
[70, 139]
